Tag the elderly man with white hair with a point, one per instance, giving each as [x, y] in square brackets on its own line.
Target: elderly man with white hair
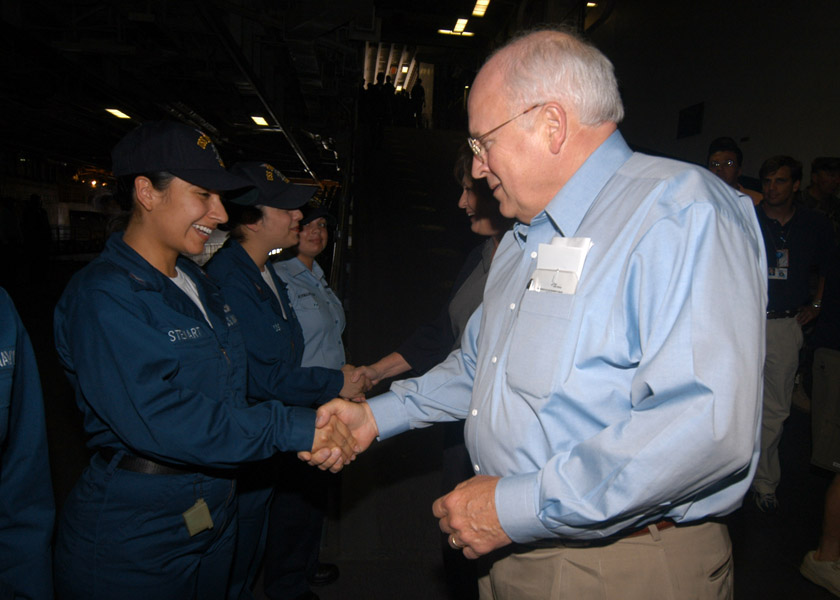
[611, 379]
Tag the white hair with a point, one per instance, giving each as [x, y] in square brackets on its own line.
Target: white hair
[555, 64]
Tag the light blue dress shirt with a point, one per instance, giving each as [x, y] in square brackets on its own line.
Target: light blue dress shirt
[319, 311]
[634, 399]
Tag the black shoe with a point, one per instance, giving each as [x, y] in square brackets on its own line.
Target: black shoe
[325, 574]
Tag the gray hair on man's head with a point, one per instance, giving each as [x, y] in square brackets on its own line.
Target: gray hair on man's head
[555, 63]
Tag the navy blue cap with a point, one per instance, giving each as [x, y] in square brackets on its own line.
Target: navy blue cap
[312, 212]
[176, 148]
[270, 187]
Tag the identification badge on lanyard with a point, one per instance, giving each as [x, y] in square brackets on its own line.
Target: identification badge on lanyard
[780, 271]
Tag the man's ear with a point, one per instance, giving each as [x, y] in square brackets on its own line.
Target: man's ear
[556, 122]
[255, 226]
[145, 192]
[796, 185]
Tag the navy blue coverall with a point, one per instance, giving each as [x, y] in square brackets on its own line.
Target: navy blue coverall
[27, 509]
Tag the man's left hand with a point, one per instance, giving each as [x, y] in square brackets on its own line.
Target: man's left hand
[468, 515]
[807, 314]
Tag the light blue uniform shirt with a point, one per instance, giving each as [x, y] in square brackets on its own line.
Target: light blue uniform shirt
[319, 311]
[639, 396]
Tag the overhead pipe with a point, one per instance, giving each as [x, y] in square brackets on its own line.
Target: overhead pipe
[221, 30]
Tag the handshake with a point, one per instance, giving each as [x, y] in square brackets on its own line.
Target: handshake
[342, 430]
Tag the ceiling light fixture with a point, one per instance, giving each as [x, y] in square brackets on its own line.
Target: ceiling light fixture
[450, 32]
[405, 69]
[480, 8]
[260, 121]
[460, 25]
[117, 113]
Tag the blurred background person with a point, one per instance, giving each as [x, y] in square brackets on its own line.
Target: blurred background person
[724, 159]
[318, 309]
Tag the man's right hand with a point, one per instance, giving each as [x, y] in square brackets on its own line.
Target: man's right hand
[332, 447]
[356, 416]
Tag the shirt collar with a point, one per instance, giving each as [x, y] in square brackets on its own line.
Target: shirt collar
[567, 209]
[295, 267]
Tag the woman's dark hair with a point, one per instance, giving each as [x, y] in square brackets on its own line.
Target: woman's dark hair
[239, 215]
[124, 195]
[486, 205]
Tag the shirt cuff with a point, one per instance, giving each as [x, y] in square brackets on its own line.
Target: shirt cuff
[302, 434]
[516, 507]
[390, 414]
[334, 386]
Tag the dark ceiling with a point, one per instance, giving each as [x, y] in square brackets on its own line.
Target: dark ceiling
[212, 63]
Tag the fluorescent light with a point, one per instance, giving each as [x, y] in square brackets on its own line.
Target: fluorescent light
[118, 113]
[467, 34]
[591, 4]
[445, 31]
[399, 88]
[405, 68]
[480, 8]
[260, 121]
[450, 32]
[460, 25]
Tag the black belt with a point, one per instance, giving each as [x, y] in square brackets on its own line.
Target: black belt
[781, 314]
[137, 464]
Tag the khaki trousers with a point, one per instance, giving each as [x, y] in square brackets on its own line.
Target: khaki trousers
[784, 339]
[678, 563]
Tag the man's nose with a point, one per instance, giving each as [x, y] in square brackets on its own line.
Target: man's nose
[479, 168]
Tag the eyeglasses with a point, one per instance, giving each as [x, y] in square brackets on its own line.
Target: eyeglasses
[476, 143]
[715, 164]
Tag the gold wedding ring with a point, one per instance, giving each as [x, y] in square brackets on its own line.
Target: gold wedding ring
[453, 543]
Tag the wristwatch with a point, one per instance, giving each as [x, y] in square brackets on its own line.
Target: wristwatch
[817, 303]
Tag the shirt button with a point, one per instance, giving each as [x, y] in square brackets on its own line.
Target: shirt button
[477, 468]
[512, 305]
[533, 255]
[474, 412]
[493, 360]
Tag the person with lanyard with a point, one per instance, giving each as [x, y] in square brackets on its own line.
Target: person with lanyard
[799, 242]
[158, 364]
[27, 508]
[263, 219]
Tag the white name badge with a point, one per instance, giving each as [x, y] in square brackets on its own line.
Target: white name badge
[559, 265]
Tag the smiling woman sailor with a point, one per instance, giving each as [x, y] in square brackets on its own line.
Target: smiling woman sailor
[158, 364]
